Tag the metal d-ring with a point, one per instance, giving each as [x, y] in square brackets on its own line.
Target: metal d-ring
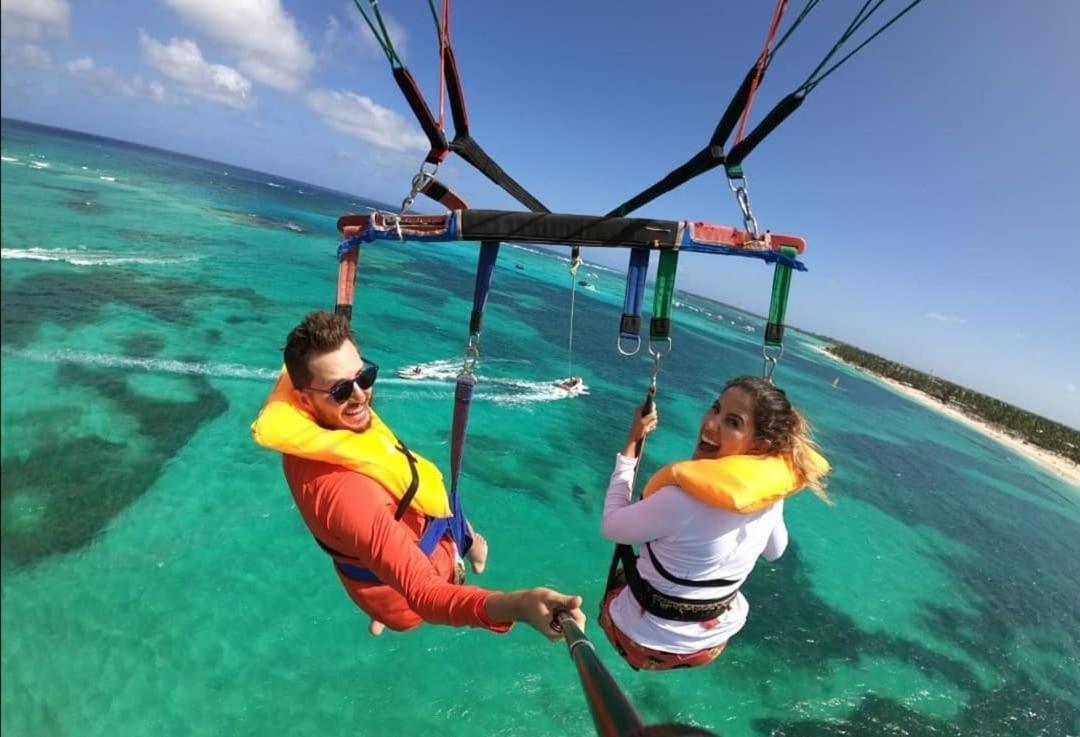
[637, 344]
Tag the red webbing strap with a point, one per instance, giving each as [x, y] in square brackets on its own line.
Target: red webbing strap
[762, 62]
[346, 276]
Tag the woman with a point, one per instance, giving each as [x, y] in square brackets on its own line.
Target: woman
[702, 525]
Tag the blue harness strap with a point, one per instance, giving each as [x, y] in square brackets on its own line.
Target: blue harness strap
[437, 528]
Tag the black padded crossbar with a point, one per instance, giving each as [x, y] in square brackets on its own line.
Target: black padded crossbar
[583, 230]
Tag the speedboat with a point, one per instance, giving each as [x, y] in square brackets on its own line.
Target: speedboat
[574, 383]
[412, 372]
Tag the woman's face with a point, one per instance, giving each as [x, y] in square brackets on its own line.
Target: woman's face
[727, 429]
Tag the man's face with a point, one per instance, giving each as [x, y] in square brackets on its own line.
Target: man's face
[341, 365]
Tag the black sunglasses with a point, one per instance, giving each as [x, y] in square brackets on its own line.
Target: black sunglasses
[342, 390]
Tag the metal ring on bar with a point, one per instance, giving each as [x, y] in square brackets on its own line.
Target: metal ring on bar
[737, 183]
[637, 345]
[771, 360]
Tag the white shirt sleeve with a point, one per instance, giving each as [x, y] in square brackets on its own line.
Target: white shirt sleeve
[778, 538]
[662, 513]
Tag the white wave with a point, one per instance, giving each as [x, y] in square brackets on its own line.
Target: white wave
[39, 165]
[107, 179]
[150, 365]
[79, 257]
[275, 185]
[8, 158]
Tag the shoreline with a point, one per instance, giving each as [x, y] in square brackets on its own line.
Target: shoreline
[1057, 465]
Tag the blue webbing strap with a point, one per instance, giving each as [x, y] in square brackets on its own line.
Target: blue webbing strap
[466, 381]
[630, 325]
[485, 266]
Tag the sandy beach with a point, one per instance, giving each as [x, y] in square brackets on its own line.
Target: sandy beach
[1061, 467]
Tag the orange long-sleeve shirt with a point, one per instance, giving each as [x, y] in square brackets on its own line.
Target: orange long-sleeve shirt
[354, 515]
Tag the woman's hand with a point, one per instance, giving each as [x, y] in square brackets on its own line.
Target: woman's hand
[640, 426]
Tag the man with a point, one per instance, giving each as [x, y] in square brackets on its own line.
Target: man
[377, 508]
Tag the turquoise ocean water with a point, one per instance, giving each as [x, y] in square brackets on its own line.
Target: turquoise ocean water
[157, 580]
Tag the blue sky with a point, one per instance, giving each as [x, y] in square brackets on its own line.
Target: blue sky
[933, 176]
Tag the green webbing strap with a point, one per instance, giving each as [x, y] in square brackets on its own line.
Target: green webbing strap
[774, 329]
[663, 295]
[383, 38]
[860, 18]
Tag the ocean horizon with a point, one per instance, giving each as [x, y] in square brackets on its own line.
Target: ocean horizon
[158, 579]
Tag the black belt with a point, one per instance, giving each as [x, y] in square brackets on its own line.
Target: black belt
[667, 606]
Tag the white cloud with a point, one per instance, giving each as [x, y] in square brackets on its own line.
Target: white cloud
[86, 69]
[34, 19]
[945, 318]
[181, 61]
[265, 39]
[1071, 388]
[80, 66]
[26, 54]
[359, 116]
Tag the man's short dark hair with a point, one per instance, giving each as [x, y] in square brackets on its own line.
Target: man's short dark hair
[320, 332]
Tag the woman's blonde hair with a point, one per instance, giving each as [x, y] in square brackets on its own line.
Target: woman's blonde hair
[785, 430]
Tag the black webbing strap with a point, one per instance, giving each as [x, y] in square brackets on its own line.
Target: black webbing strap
[714, 583]
[455, 92]
[435, 135]
[704, 160]
[414, 484]
[776, 116]
[469, 149]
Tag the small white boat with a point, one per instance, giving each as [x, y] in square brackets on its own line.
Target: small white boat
[412, 372]
[571, 385]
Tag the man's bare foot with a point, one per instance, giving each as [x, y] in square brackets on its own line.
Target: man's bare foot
[478, 553]
[376, 628]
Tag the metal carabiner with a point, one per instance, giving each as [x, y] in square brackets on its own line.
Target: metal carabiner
[770, 362]
[472, 354]
[659, 354]
[656, 365]
[637, 344]
[419, 181]
[740, 186]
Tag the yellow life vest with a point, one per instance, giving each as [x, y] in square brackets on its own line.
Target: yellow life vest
[283, 425]
[740, 484]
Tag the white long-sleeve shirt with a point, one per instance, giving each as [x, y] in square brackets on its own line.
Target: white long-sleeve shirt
[691, 540]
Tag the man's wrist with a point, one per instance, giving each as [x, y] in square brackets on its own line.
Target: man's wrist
[502, 606]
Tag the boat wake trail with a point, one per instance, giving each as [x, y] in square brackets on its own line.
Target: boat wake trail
[149, 365]
[84, 257]
[439, 384]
